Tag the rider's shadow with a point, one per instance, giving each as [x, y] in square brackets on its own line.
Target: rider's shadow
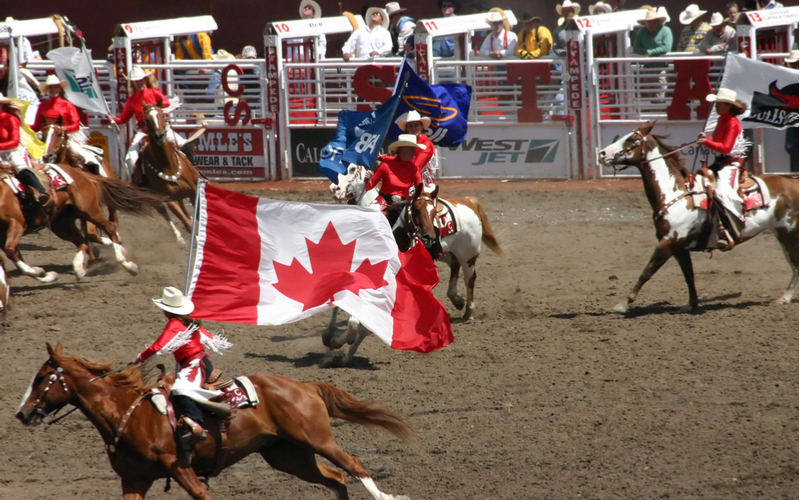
[312, 359]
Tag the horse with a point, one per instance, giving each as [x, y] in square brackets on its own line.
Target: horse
[680, 223]
[57, 151]
[288, 427]
[79, 201]
[166, 170]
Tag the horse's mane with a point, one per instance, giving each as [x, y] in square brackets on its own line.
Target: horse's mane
[134, 377]
[674, 161]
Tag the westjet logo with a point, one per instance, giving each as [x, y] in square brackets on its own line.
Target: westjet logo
[511, 150]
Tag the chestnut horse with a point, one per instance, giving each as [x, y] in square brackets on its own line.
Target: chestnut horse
[288, 427]
[166, 170]
[79, 201]
[679, 223]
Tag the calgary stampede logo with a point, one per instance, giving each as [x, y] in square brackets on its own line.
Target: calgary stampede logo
[777, 108]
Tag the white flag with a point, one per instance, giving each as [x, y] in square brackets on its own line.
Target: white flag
[770, 92]
[75, 66]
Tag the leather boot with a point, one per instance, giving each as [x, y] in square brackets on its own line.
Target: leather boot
[190, 433]
[28, 178]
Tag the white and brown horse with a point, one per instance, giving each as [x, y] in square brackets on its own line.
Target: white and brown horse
[680, 224]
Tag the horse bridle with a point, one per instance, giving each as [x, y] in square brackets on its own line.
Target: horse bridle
[417, 233]
[162, 136]
[51, 132]
[639, 141]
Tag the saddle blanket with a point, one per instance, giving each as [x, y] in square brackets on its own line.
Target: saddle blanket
[238, 393]
[754, 197]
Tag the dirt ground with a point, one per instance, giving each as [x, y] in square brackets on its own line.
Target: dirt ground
[546, 394]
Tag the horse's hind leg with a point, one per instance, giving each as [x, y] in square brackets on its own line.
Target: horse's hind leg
[361, 334]
[452, 286]
[661, 255]
[64, 227]
[470, 275]
[298, 459]
[327, 334]
[162, 210]
[789, 245]
[95, 215]
[684, 259]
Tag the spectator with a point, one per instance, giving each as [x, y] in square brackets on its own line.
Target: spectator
[402, 30]
[28, 54]
[445, 46]
[653, 41]
[599, 8]
[481, 7]
[719, 39]
[768, 4]
[616, 5]
[196, 47]
[793, 133]
[373, 40]
[535, 40]
[732, 10]
[249, 52]
[501, 41]
[309, 9]
[567, 10]
[695, 29]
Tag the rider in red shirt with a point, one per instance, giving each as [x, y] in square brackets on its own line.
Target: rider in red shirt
[186, 340]
[58, 106]
[398, 173]
[13, 151]
[425, 159]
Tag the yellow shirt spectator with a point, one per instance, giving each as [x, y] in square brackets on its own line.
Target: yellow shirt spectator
[535, 41]
[197, 46]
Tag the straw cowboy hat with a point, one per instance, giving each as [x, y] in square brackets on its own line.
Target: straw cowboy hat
[724, 95]
[384, 16]
[314, 5]
[691, 13]
[793, 57]
[599, 5]
[173, 301]
[223, 55]
[406, 141]
[412, 116]
[52, 80]
[506, 23]
[652, 15]
[495, 17]
[716, 19]
[568, 5]
[394, 8]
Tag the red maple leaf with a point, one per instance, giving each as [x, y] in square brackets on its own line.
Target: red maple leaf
[330, 273]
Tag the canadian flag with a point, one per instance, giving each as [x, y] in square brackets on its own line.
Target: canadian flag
[268, 262]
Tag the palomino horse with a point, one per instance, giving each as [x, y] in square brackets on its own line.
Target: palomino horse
[288, 427]
[57, 151]
[166, 170]
[679, 223]
[79, 201]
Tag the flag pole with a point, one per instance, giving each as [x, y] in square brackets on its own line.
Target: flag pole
[400, 88]
[192, 235]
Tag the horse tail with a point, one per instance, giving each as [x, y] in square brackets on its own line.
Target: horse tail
[487, 237]
[122, 197]
[341, 404]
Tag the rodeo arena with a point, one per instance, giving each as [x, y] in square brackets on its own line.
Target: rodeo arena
[220, 254]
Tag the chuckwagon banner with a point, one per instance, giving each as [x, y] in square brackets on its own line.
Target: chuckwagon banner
[75, 66]
[770, 92]
[268, 262]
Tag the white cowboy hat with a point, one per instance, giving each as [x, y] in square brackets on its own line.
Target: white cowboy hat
[406, 140]
[137, 74]
[394, 8]
[600, 5]
[793, 57]
[495, 17]
[724, 95]
[173, 301]
[652, 15]
[384, 16]
[716, 19]
[223, 55]
[412, 116]
[52, 80]
[4, 99]
[691, 13]
[314, 5]
[568, 5]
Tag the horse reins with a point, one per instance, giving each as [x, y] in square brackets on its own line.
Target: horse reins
[640, 140]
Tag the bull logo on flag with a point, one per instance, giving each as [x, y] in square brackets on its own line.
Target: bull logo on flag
[777, 108]
[432, 108]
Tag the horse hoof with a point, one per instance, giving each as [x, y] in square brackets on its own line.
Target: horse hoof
[401, 497]
[48, 277]
[107, 241]
[458, 302]
[687, 309]
[80, 274]
[133, 269]
[621, 308]
[327, 336]
[780, 301]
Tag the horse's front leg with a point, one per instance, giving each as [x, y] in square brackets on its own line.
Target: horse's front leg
[470, 274]
[452, 286]
[135, 489]
[684, 258]
[189, 481]
[661, 254]
[361, 334]
[327, 334]
[13, 237]
[177, 208]
[162, 210]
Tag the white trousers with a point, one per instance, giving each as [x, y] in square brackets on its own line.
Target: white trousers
[136, 146]
[726, 190]
[18, 158]
[75, 145]
[189, 382]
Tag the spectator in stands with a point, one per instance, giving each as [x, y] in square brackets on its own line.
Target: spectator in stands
[309, 9]
[28, 54]
[567, 11]
[249, 52]
[653, 41]
[373, 40]
[616, 5]
[445, 46]
[719, 39]
[732, 10]
[768, 4]
[501, 42]
[599, 8]
[695, 29]
[535, 41]
[402, 30]
[196, 46]
[793, 133]
[481, 7]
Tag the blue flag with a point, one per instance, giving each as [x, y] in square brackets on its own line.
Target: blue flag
[330, 163]
[370, 133]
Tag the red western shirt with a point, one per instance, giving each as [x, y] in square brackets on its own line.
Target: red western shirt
[133, 106]
[9, 131]
[397, 175]
[174, 327]
[54, 107]
[725, 135]
[423, 156]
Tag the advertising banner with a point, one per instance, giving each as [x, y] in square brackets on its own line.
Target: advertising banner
[229, 153]
[307, 149]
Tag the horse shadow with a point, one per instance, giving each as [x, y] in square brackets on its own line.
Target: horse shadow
[313, 359]
[716, 303]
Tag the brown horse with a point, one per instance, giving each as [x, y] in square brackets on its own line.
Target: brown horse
[288, 427]
[680, 224]
[79, 201]
[166, 170]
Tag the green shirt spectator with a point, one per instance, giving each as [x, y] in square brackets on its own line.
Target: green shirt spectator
[654, 39]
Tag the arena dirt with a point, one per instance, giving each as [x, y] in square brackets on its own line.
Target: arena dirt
[546, 394]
